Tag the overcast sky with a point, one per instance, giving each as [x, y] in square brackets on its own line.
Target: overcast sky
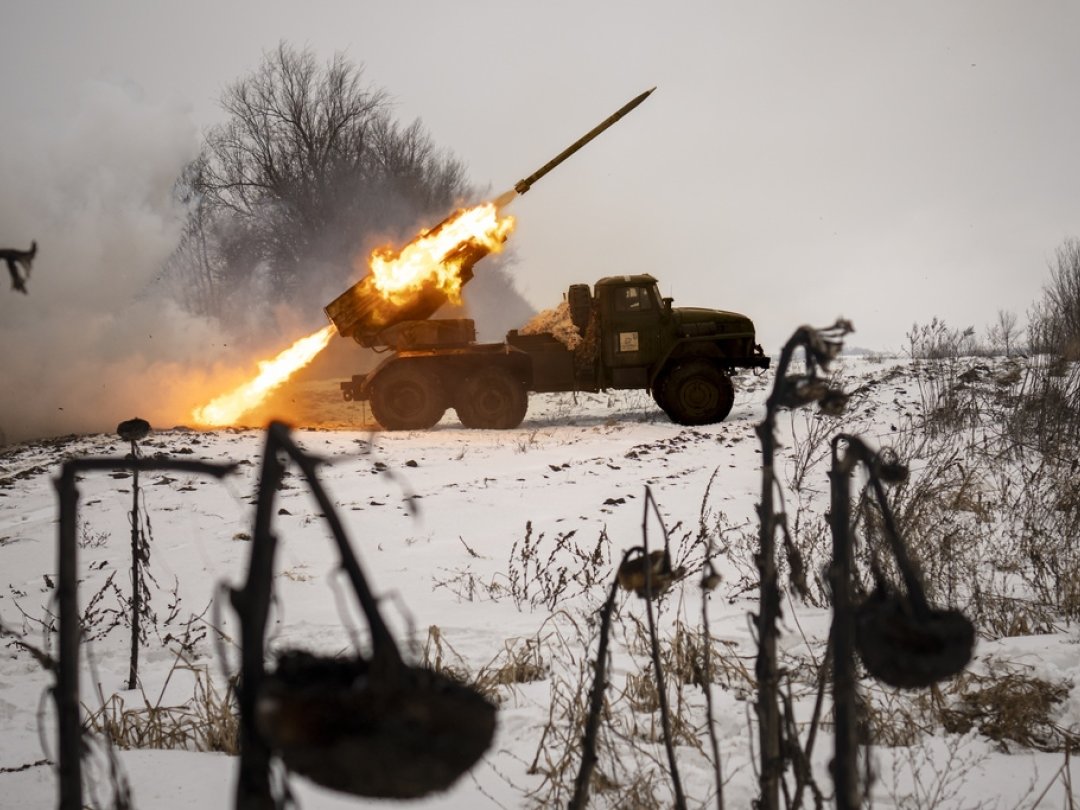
[887, 162]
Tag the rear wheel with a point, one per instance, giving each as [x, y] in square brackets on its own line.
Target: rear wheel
[696, 392]
[406, 396]
[491, 398]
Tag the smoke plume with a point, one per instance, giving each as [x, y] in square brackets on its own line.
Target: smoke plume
[101, 336]
[91, 345]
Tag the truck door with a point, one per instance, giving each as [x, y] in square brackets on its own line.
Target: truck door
[632, 334]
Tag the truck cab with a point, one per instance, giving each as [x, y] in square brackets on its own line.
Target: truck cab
[645, 337]
[635, 321]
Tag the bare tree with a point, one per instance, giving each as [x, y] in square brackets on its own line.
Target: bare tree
[309, 167]
[1054, 322]
[191, 262]
[1004, 335]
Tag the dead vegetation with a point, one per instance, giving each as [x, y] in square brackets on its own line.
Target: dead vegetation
[991, 506]
[628, 743]
[556, 322]
[206, 721]
[1005, 704]
[1011, 707]
[538, 575]
[988, 513]
[519, 662]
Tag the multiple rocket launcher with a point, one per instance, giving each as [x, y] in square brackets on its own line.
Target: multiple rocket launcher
[361, 312]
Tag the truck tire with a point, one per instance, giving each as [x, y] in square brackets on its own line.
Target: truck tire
[579, 300]
[406, 396]
[696, 392]
[491, 398]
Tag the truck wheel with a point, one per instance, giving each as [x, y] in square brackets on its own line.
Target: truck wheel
[696, 393]
[579, 299]
[407, 397]
[491, 398]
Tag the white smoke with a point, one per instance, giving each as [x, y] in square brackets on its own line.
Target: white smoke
[88, 346]
[97, 341]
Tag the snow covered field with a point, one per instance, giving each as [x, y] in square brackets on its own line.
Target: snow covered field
[508, 552]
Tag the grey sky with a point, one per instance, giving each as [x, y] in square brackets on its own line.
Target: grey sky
[883, 161]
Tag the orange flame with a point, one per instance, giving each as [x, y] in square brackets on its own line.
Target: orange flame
[228, 408]
[430, 258]
[434, 257]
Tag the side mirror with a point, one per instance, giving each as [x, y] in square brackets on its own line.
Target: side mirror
[667, 303]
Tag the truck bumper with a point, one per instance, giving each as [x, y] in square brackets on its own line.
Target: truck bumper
[758, 359]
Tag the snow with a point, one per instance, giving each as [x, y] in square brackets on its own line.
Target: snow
[567, 482]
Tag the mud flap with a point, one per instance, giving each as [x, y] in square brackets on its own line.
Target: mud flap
[353, 390]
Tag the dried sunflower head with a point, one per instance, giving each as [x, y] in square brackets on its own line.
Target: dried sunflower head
[908, 651]
[133, 430]
[631, 573]
[710, 577]
[889, 468]
[395, 732]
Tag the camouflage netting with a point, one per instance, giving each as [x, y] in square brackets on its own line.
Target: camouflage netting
[557, 322]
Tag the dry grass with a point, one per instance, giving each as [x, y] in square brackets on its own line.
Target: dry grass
[470, 587]
[556, 322]
[891, 719]
[1008, 706]
[991, 507]
[629, 772]
[546, 573]
[631, 769]
[683, 655]
[207, 721]
[1011, 707]
[519, 662]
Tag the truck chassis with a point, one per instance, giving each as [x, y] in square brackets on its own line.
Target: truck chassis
[630, 339]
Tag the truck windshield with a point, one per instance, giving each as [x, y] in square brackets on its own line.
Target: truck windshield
[633, 299]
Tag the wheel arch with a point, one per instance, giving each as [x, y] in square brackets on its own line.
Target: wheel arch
[685, 350]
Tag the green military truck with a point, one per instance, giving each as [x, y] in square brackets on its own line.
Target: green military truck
[630, 337]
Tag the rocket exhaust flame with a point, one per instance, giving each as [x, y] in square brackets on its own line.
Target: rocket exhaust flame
[411, 284]
[505, 199]
[229, 407]
[436, 257]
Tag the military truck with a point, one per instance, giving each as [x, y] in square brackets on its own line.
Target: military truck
[630, 338]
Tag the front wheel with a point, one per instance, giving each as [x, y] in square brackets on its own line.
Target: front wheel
[491, 398]
[696, 392]
[407, 397]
